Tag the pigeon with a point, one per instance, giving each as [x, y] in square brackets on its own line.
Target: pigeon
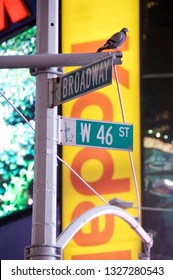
[115, 41]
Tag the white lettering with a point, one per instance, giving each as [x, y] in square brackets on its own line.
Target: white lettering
[82, 82]
[71, 80]
[65, 88]
[105, 137]
[100, 134]
[95, 71]
[106, 66]
[101, 73]
[123, 131]
[88, 78]
[85, 132]
[76, 82]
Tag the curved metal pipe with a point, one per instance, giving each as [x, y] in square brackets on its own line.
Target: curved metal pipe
[89, 215]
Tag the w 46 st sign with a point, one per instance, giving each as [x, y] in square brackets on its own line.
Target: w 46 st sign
[95, 134]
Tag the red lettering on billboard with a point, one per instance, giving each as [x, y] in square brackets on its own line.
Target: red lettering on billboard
[16, 11]
[108, 181]
[105, 184]
[95, 236]
[119, 255]
[96, 99]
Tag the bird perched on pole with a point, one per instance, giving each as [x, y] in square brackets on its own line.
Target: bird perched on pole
[115, 41]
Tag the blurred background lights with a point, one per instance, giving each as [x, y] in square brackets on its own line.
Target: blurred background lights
[158, 134]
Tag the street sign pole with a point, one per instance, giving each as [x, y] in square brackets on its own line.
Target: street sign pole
[43, 244]
[45, 63]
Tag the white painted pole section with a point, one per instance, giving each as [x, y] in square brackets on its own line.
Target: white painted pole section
[92, 213]
[45, 162]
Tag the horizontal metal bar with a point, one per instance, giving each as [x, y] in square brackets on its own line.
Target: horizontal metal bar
[55, 60]
[157, 76]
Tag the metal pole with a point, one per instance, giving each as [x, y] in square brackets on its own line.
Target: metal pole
[130, 154]
[49, 60]
[45, 162]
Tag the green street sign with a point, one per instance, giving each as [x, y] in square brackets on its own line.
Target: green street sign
[83, 80]
[89, 133]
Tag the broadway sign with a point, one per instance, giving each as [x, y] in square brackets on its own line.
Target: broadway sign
[83, 80]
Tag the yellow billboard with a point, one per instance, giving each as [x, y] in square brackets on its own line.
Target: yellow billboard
[86, 25]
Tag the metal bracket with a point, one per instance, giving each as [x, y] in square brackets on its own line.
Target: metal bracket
[116, 58]
[145, 255]
[53, 85]
[52, 70]
[43, 252]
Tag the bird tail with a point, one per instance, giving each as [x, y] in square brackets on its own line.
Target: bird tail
[100, 49]
[104, 47]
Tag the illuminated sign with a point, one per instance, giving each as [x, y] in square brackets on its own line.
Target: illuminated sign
[15, 15]
[17, 143]
[107, 171]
